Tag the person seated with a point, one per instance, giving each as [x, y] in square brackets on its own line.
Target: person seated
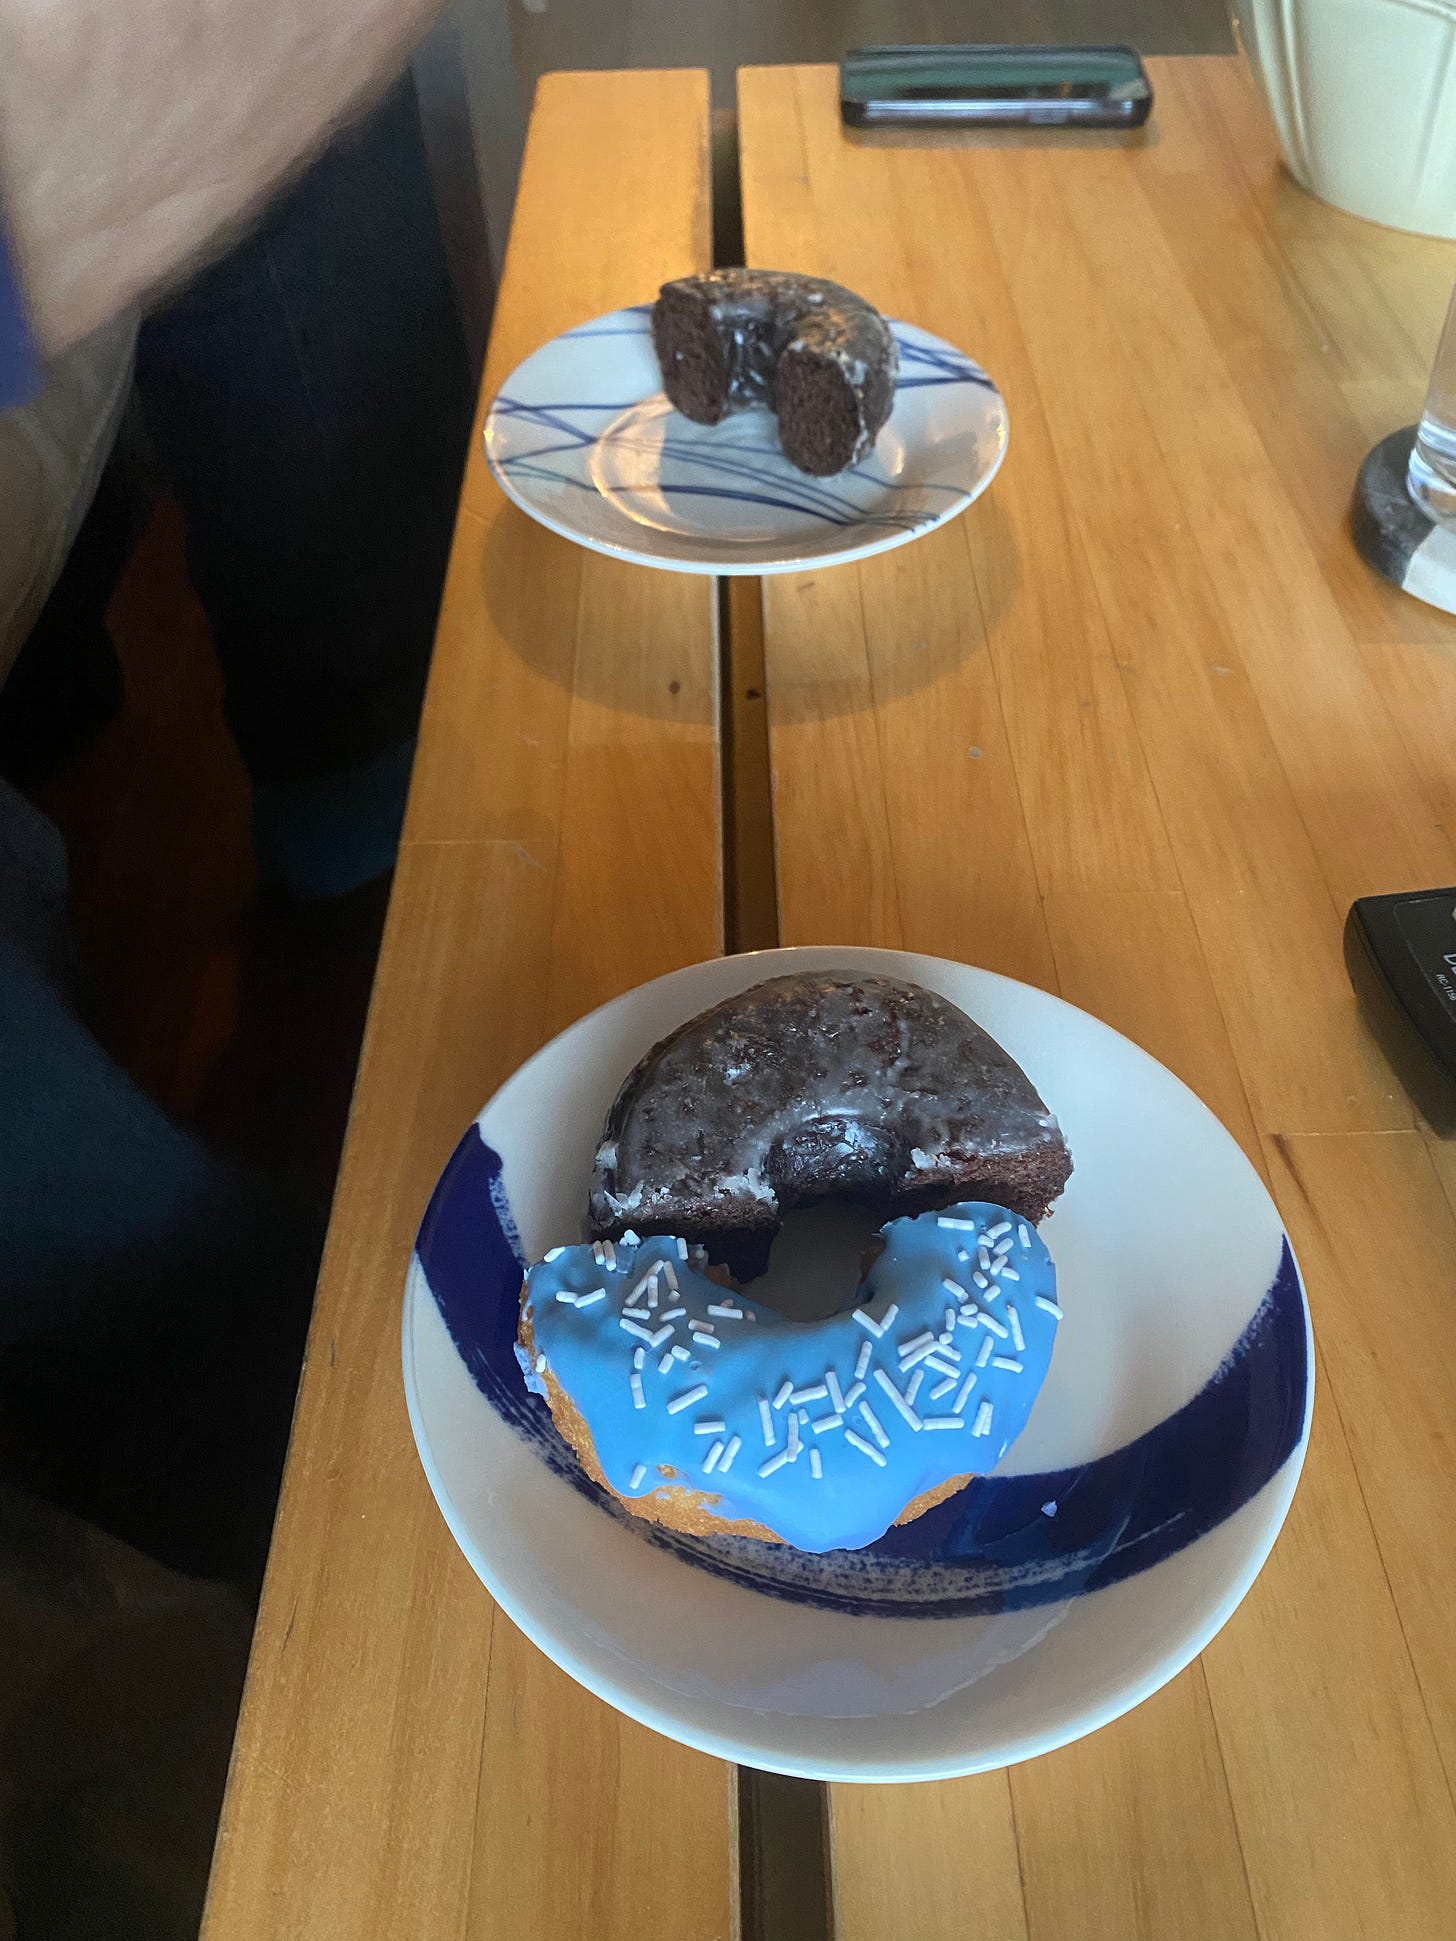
[306, 390]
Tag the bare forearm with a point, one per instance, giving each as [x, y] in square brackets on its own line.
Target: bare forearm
[134, 132]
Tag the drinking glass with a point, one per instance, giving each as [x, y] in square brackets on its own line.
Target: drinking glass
[1431, 475]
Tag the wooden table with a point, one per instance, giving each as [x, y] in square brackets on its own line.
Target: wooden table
[1136, 728]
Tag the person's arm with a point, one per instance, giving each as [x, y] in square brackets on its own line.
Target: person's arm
[133, 133]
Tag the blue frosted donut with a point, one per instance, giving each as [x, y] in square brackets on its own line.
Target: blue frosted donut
[705, 1410]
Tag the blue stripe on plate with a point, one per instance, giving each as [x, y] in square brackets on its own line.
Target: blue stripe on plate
[1003, 1543]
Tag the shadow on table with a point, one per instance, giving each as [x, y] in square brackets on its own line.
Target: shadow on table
[897, 624]
[579, 620]
[903, 620]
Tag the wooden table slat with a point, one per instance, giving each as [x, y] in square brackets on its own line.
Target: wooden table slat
[1235, 220]
[1202, 727]
[1367, 1212]
[406, 1763]
[1344, 1813]
[1233, 814]
[876, 1901]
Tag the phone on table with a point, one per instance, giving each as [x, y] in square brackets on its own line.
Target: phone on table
[1039, 87]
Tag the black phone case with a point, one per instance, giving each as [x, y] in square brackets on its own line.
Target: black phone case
[981, 86]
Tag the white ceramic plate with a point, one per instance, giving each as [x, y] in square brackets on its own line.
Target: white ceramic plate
[582, 438]
[1119, 1533]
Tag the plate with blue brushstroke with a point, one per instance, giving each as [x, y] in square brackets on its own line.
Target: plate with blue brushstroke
[1118, 1534]
[582, 438]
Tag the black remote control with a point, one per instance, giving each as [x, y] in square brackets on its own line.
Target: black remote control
[1400, 952]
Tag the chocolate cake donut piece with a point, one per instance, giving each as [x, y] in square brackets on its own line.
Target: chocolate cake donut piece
[812, 351]
[819, 1085]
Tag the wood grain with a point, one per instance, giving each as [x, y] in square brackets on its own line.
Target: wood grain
[549, 1750]
[874, 1900]
[406, 1764]
[1366, 1213]
[1278, 611]
[1239, 829]
[1010, 555]
[1203, 727]
[1344, 1815]
[1418, 681]
[1151, 1787]
[1104, 947]
[1231, 212]
[353, 1743]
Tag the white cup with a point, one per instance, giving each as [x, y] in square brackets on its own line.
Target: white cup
[1363, 94]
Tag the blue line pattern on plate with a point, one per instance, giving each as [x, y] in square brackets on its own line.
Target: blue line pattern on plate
[726, 471]
[1004, 1542]
[728, 460]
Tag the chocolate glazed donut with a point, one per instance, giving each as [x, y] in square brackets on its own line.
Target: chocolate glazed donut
[814, 1086]
[815, 353]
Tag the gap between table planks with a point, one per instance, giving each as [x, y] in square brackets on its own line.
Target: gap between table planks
[1136, 728]
[406, 1763]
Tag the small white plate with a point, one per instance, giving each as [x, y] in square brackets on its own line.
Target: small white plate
[582, 438]
[1119, 1533]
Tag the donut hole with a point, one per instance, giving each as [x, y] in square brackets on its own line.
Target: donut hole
[818, 1258]
[819, 1086]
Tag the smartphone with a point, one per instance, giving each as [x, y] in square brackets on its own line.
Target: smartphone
[1043, 87]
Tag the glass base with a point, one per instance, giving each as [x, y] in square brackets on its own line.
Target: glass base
[1392, 531]
[1431, 474]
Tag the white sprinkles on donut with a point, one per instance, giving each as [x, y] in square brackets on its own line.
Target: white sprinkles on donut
[833, 1468]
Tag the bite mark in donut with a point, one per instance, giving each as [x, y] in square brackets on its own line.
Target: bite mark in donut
[822, 1084]
[816, 354]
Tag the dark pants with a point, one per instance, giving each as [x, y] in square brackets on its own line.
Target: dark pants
[153, 1297]
[309, 399]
